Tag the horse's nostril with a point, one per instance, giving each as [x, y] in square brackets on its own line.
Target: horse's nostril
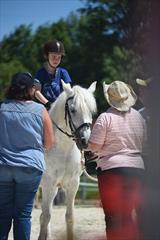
[84, 142]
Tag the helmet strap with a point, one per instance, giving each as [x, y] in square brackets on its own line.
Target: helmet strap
[52, 68]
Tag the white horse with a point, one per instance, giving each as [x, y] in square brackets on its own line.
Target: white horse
[72, 118]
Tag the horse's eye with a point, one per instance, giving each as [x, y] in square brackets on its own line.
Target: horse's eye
[73, 110]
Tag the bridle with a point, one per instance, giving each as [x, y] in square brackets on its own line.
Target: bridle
[75, 132]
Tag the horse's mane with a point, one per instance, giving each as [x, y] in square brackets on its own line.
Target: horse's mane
[83, 100]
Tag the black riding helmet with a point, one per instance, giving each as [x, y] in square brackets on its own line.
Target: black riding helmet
[54, 46]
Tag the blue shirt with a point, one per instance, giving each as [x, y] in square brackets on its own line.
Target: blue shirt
[51, 83]
[21, 134]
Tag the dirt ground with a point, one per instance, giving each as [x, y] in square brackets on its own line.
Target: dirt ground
[89, 223]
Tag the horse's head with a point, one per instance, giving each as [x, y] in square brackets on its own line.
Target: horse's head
[80, 106]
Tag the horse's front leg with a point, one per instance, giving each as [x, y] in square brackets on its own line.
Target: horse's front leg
[70, 198]
[48, 193]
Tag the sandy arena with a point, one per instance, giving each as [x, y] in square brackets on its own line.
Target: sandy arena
[89, 223]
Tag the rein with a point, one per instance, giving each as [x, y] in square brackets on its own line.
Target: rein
[61, 130]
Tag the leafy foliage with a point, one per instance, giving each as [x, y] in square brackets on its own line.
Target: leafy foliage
[100, 42]
[6, 72]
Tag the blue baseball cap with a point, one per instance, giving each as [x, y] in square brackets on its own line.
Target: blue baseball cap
[24, 80]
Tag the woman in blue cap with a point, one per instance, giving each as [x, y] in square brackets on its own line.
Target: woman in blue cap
[25, 133]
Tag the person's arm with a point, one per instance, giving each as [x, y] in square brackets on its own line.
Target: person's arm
[39, 96]
[98, 134]
[49, 138]
[94, 147]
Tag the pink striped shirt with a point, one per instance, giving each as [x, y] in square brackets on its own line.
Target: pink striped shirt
[120, 136]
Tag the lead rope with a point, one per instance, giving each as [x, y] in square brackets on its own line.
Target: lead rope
[84, 168]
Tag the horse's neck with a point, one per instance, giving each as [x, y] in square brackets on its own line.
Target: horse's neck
[57, 115]
[64, 142]
[57, 112]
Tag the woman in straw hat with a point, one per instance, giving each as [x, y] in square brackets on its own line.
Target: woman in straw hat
[117, 138]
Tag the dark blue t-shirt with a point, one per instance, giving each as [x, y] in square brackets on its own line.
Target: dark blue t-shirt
[51, 83]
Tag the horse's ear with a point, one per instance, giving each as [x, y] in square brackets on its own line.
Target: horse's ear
[67, 87]
[92, 87]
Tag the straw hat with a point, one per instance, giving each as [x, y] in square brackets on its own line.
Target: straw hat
[119, 95]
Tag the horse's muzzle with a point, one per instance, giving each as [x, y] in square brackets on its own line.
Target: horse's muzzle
[82, 143]
[82, 135]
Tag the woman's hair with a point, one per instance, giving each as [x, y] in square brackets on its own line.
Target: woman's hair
[18, 94]
[20, 87]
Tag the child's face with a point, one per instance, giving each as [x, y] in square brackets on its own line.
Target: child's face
[54, 59]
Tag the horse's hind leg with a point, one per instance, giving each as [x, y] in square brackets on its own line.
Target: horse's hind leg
[37, 197]
[48, 194]
[70, 197]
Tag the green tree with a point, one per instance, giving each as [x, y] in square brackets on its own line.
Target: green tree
[13, 47]
[6, 72]
[101, 42]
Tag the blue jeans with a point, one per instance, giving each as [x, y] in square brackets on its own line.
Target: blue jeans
[18, 186]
